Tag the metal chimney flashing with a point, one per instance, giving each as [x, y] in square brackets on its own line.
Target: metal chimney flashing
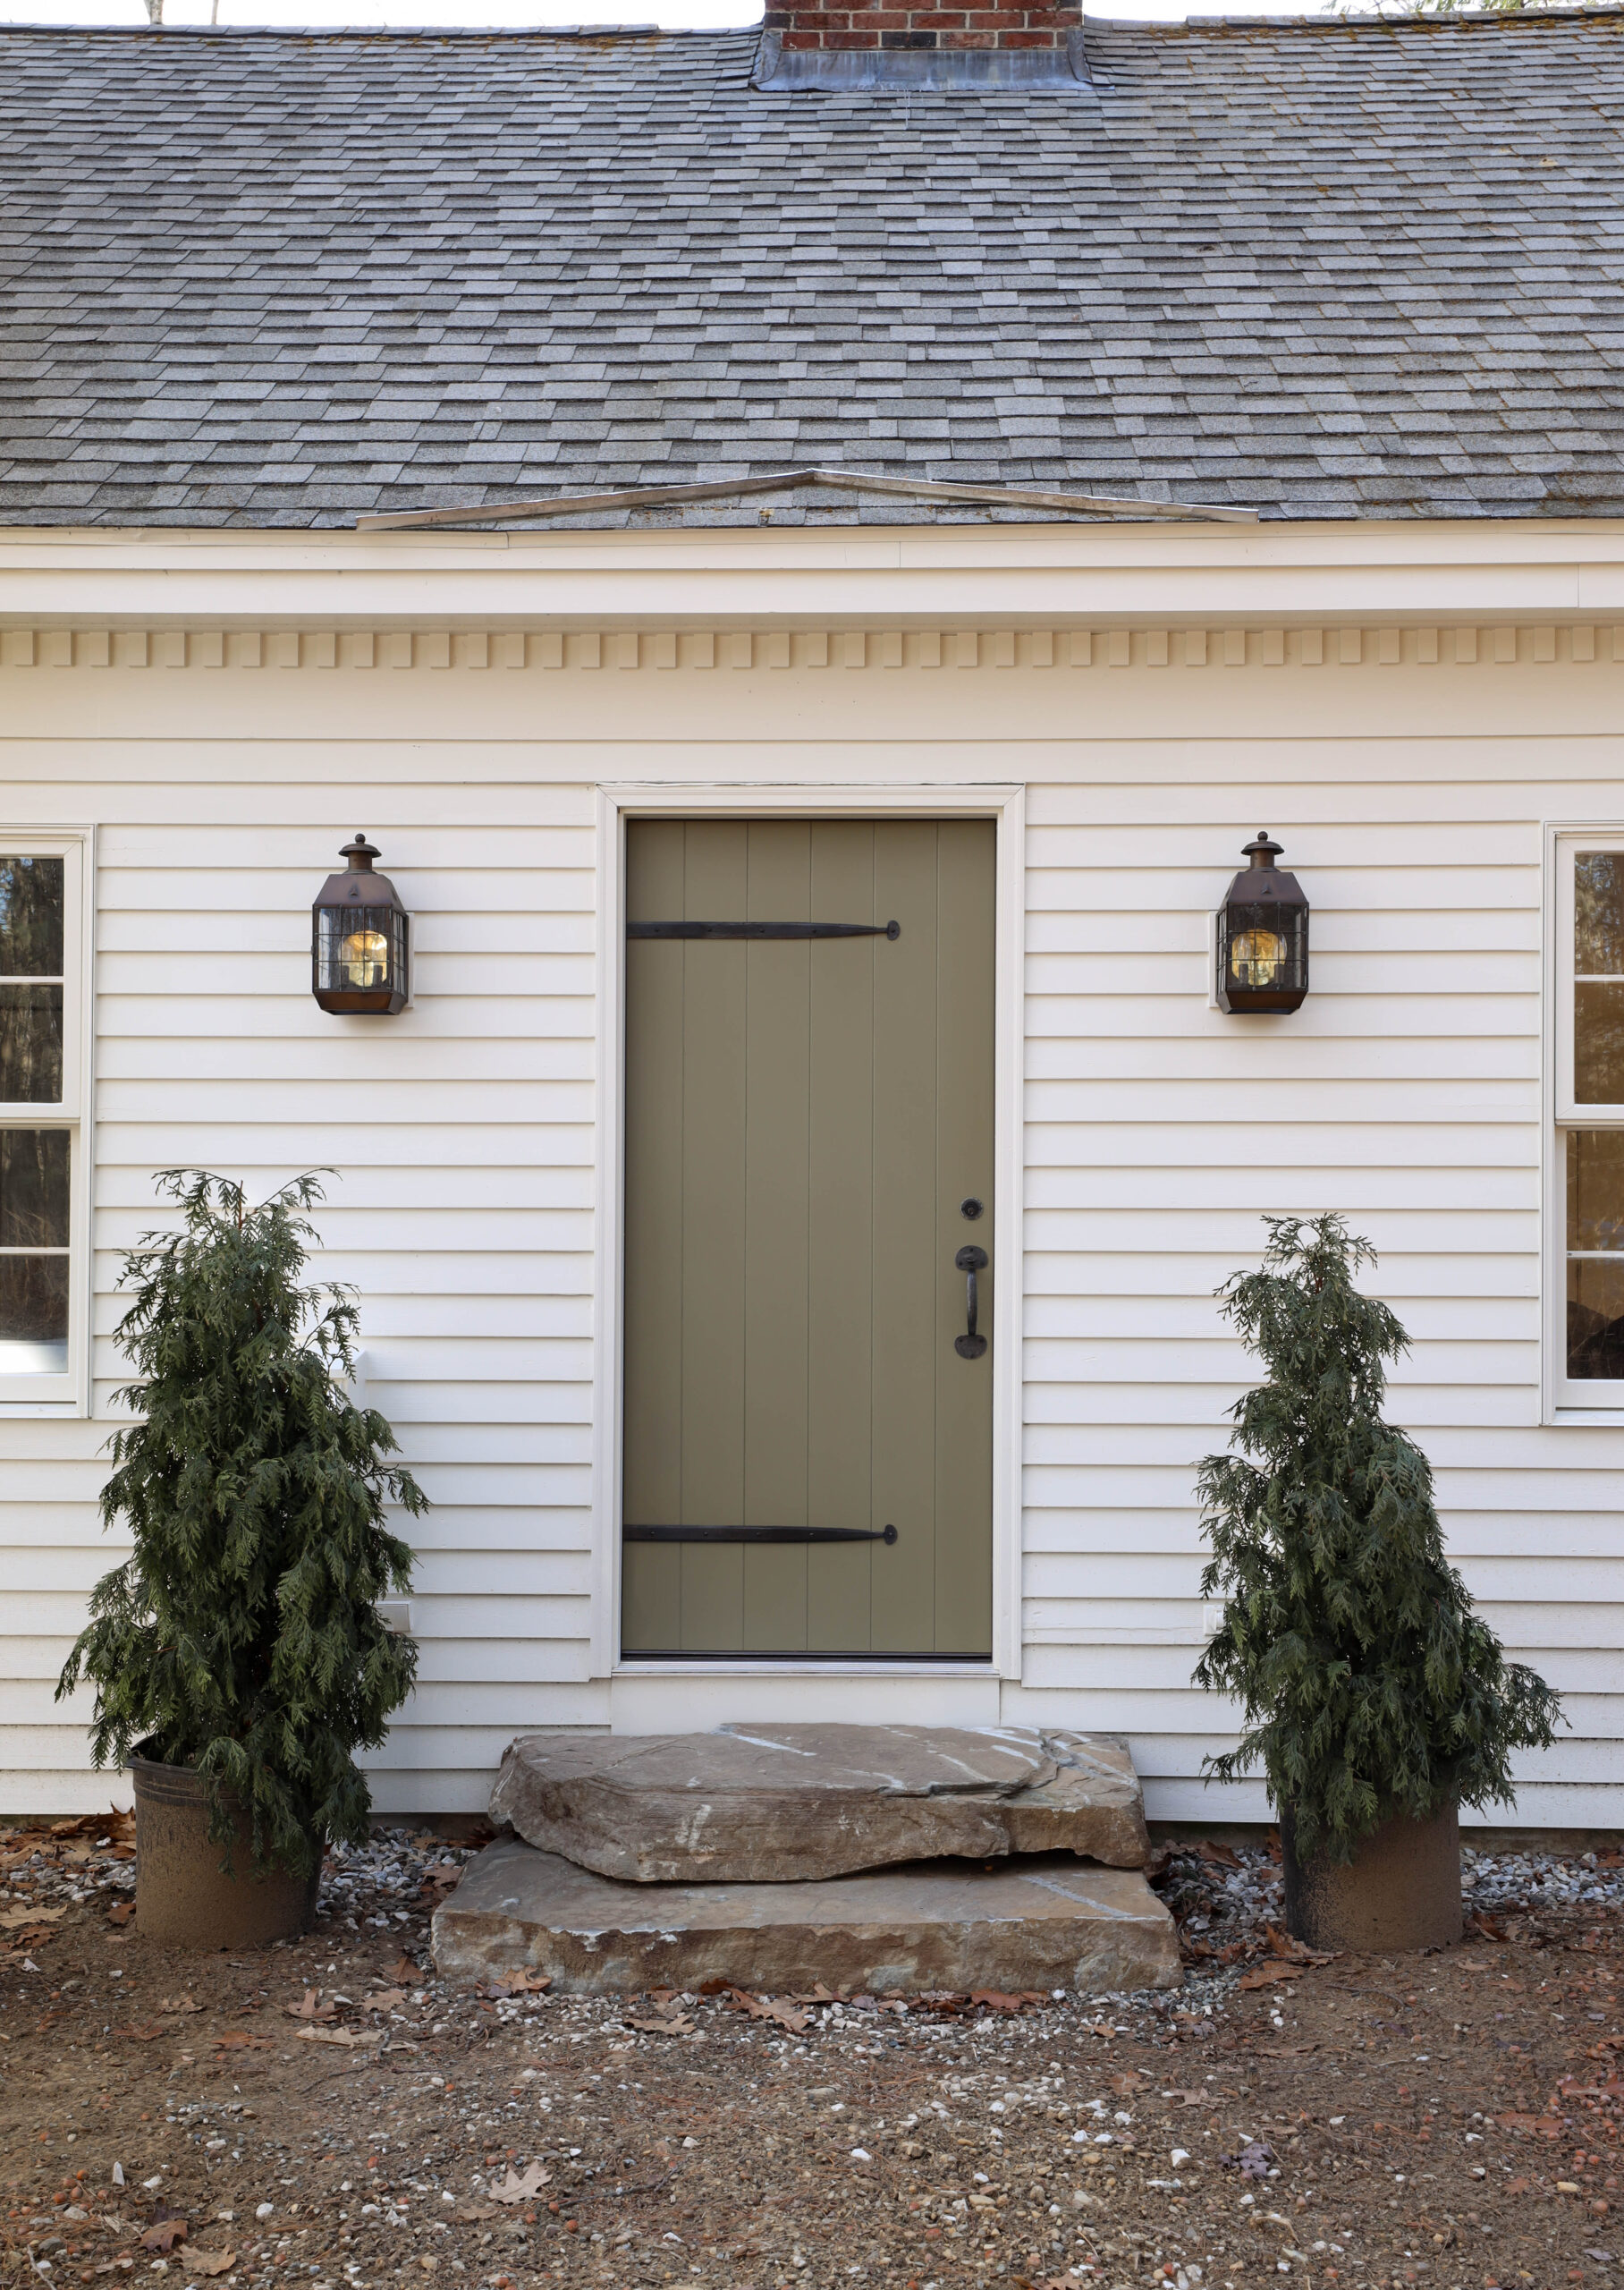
[921, 70]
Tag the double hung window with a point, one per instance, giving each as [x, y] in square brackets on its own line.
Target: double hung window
[42, 1090]
[1589, 1173]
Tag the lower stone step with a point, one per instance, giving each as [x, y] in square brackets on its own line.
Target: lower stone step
[1032, 1922]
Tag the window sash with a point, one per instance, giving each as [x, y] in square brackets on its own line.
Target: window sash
[1576, 1395]
[28, 1391]
[30, 1112]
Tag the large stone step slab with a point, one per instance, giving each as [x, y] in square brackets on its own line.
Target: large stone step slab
[1029, 1922]
[773, 1804]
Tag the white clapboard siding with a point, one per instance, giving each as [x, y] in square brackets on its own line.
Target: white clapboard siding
[1157, 1133]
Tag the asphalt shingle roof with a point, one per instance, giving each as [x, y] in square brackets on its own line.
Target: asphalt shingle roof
[1322, 269]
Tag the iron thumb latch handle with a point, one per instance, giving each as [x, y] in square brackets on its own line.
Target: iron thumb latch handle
[970, 1261]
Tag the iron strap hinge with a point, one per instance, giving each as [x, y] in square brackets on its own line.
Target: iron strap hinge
[759, 1534]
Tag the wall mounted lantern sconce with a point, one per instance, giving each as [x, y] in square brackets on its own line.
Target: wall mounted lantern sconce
[1262, 935]
[359, 939]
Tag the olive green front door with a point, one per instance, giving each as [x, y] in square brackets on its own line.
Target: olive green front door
[807, 1465]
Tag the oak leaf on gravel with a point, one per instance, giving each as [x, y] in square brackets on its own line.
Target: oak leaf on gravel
[211, 2261]
[311, 2008]
[782, 2013]
[517, 2189]
[165, 2235]
[235, 2040]
[9, 1917]
[353, 2039]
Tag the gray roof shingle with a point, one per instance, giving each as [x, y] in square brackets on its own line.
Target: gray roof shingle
[1320, 268]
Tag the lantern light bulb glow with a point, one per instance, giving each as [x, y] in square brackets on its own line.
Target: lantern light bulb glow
[364, 959]
[1257, 958]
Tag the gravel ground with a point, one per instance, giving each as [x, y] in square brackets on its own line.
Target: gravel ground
[329, 2115]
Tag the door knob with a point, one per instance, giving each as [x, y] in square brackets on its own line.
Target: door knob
[970, 1261]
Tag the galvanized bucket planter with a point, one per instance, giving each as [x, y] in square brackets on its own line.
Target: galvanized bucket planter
[184, 1899]
[1401, 1890]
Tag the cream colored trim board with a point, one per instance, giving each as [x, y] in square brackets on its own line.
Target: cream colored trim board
[616, 803]
[619, 651]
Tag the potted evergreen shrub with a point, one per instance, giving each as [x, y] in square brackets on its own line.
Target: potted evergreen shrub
[1375, 1699]
[238, 1655]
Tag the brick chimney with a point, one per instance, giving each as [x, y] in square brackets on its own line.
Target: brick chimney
[810, 25]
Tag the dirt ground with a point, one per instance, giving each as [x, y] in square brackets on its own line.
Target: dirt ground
[329, 2115]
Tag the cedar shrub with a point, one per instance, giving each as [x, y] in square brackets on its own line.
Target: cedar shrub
[242, 1637]
[1370, 1688]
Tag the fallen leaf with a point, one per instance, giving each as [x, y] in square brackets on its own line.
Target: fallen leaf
[1484, 1926]
[178, 2003]
[1252, 2162]
[121, 1911]
[1190, 2099]
[654, 2027]
[1222, 1856]
[351, 2038]
[237, 2041]
[18, 1917]
[995, 2002]
[1297, 1952]
[211, 2261]
[406, 1971]
[782, 2013]
[515, 2189]
[470, 2213]
[1260, 1976]
[165, 2235]
[523, 1982]
[1547, 2126]
[386, 2000]
[311, 2008]
[148, 2033]
[1128, 2082]
[1098, 2028]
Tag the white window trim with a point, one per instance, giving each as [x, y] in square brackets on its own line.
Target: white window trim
[1006, 806]
[1561, 1400]
[70, 1393]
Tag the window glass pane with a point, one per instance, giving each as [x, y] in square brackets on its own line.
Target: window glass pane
[1595, 1318]
[31, 916]
[33, 1315]
[30, 1045]
[1595, 1282]
[33, 1188]
[1598, 1045]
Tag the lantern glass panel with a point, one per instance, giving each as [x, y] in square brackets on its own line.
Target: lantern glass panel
[361, 950]
[1266, 949]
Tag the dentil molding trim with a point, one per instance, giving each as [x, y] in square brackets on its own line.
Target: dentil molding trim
[1499, 645]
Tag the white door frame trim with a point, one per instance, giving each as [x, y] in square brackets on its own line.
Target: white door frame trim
[616, 803]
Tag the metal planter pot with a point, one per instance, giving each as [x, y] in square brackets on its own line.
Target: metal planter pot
[183, 1898]
[1401, 1890]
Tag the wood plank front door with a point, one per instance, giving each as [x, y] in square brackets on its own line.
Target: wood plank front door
[808, 1153]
